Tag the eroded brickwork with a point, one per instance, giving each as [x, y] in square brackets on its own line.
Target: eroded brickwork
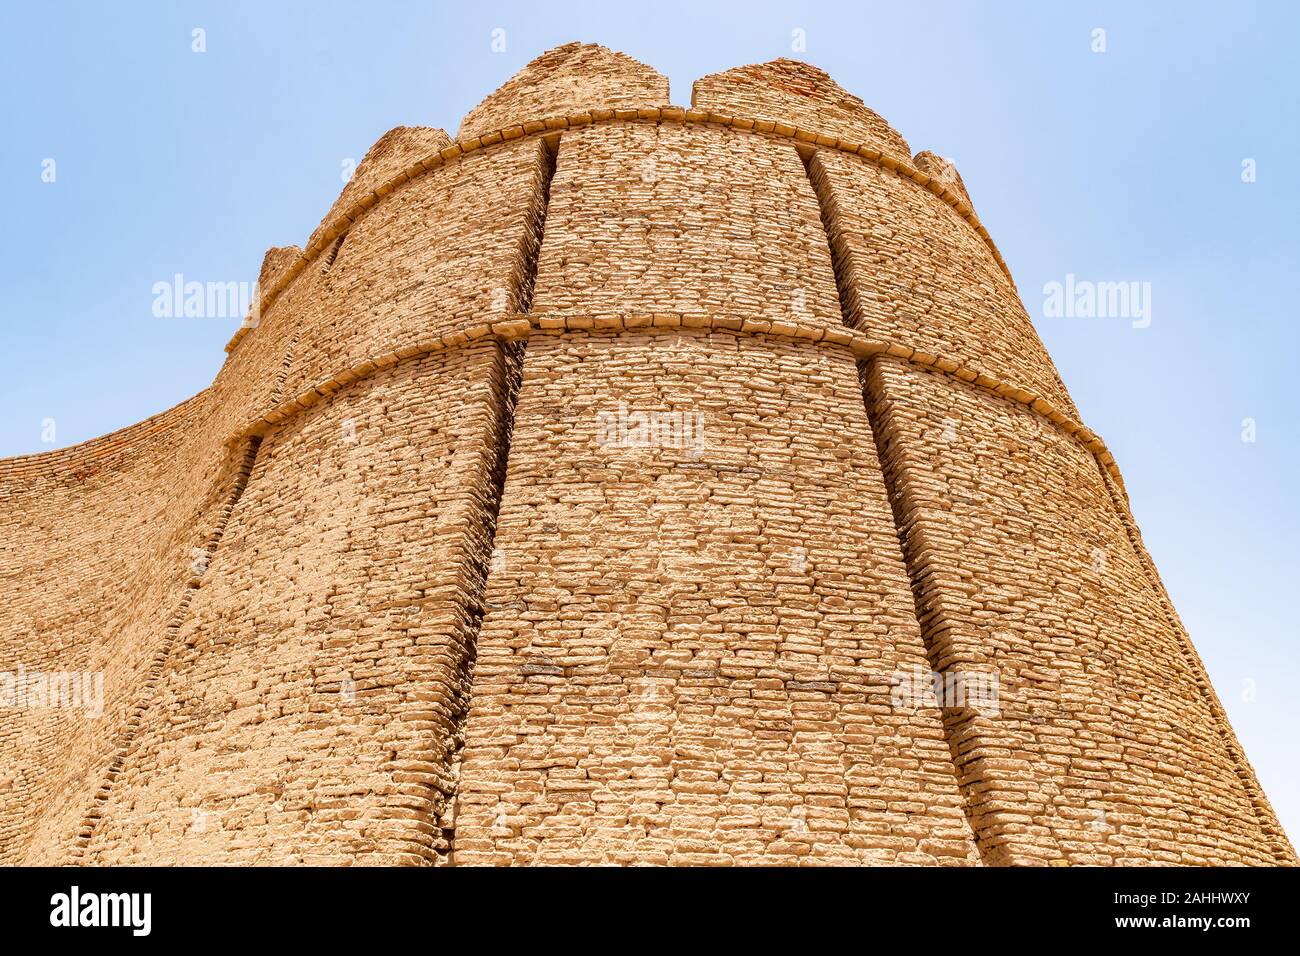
[1104, 749]
[576, 76]
[442, 253]
[392, 154]
[691, 633]
[914, 272]
[793, 94]
[654, 218]
[97, 550]
[310, 711]
[785, 440]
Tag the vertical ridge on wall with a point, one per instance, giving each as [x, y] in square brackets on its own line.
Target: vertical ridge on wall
[1002, 768]
[841, 262]
[1278, 844]
[311, 707]
[964, 741]
[684, 661]
[510, 375]
[524, 278]
[478, 562]
[157, 666]
[286, 364]
[894, 488]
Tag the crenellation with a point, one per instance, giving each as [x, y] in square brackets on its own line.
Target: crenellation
[385, 166]
[942, 170]
[582, 76]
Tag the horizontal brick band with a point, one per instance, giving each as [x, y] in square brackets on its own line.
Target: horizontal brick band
[521, 326]
[155, 674]
[900, 166]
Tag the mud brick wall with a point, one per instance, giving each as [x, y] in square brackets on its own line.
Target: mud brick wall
[96, 548]
[401, 587]
[790, 94]
[679, 219]
[391, 155]
[443, 252]
[103, 541]
[355, 555]
[687, 653]
[1105, 750]
[568, 79]
[914, 272]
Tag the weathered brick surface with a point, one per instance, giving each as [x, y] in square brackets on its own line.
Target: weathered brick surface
[354, 555]
[673, 218]
[914, 272]
[100, 543]
[1105, 749]
[796, 94]
[442, 253]
[943, 171]
[275, 263]
[568, 79]
[317, 646]
[394, 152]
[688, 650]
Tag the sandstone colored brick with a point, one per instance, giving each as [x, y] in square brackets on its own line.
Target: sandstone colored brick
[394, 152]
[401, 587]
[694, 640]
[573, 78]
[796, 94]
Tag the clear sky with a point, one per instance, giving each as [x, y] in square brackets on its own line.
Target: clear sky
[1123, 165]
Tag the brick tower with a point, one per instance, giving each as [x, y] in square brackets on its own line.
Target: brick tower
[608, 484]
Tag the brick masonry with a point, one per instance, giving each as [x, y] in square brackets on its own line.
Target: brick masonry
[586, 490]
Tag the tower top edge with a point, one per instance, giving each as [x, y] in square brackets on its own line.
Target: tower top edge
[577, 75]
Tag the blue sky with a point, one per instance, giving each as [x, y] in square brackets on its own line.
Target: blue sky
[1117, 166]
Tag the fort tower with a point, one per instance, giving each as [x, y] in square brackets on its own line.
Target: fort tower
[605, 484]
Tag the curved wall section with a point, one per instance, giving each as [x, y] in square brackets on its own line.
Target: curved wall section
[101, 541]
[942, 171]
[567, 79]
[696, 613]
[1104, 749]
[391, 154]
[788, 94]
[914, 272]
[442, 253]
[648, 218]
[308, 714]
